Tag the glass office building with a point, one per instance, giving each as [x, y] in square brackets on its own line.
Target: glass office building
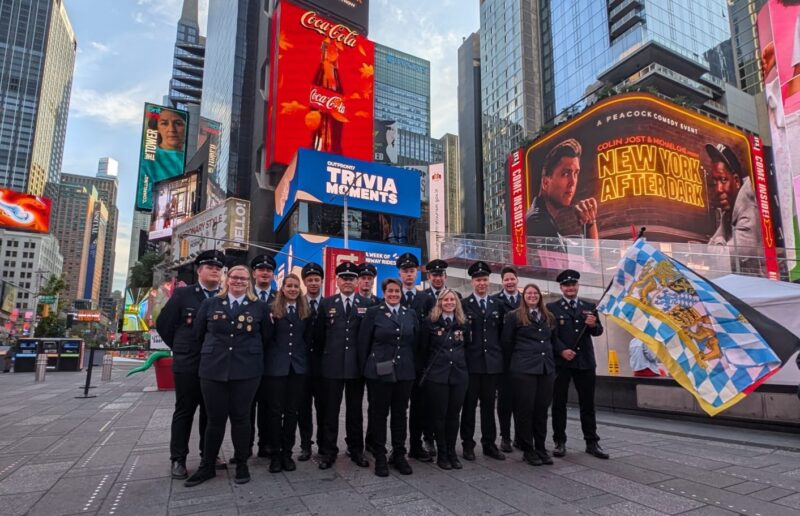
[746, 51]
[186, 84]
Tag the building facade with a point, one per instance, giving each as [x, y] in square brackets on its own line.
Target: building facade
[746, 51]
[186, 84]
[454, 201]
[37, 60]
[469, 133]
[510, 92]
[29, 259]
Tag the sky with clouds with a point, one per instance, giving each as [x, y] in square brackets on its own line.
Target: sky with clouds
[125, 59]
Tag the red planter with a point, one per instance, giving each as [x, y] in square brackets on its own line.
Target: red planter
[164, 379]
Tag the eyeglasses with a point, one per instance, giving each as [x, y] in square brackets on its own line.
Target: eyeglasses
[238, 279]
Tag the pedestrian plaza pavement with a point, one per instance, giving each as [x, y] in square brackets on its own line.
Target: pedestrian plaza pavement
[109, 455]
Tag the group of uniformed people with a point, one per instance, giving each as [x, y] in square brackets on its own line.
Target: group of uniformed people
[275, 362]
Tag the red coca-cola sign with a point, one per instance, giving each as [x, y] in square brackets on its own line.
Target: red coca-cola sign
[321, 87]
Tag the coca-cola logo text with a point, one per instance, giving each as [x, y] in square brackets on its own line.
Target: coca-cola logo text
[329, 102]
[335, 31]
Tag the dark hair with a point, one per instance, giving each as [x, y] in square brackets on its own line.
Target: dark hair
[524, 308]
[385, 283]
[566, 149]
[505, 270]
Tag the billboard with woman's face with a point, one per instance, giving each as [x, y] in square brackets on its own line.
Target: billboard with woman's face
[163, 150]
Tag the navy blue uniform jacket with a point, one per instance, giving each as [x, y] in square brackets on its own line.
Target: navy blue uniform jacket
[530, 349]
[175, 325]
[569, 324]
[336, 334]
[484, 351]
[444, 351]
[289, 347]
[382, 338]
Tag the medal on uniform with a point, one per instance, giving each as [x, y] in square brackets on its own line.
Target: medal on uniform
[249, 318]
[439, 332]
[239, 326]
[561, 322]
[249, 328]
[241, 318]
[215, 317]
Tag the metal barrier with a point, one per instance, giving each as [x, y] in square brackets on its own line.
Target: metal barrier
[41, 367]
[108, 362]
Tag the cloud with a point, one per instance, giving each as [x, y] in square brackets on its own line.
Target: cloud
[101, 48]
[112, 108]
[167, 12]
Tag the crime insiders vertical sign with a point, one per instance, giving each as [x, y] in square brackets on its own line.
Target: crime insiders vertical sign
[518, 207]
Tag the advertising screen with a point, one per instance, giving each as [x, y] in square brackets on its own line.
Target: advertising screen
[303, 248]
[24, 211]
[352, 12]
[175, 202]
[142, 306]
[637, 160]
[779, 39]
[9, 293]
[229, 220]
[323, 178]
[321, 87]
[215, 184]
[163, 150]
[437, 225]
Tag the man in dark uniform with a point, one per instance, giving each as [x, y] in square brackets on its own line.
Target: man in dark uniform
[437, 277]
[485, 364]
[263, 267]
[509, 299]
[422, 304]
[312, 275]
[336, 331]
[366, 282]
[175, 326]
[576, 324]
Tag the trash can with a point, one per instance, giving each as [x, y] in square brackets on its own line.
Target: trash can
[6, 356]
[25, 360]
[164, 379]
[69, 355]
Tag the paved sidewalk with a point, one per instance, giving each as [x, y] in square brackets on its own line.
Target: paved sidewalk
[109, 455]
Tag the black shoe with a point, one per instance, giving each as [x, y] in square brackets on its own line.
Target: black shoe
[233, 460]
[505, 445]
[494, 453]
[596, 450]
[381, 466]
[220, 464]
[242, 473]
[305, 454]
[275, 465]
[545, 457]
[430, 448]
[516, 444]
[178, 470]
[532, 458]
[560, 450]
[443, 462]
[401, 464]
[454, 462]
[420, 454]
[468, 453]
[359, 459]
[327, 462]
[201, 475]
[263, 452]
[287, 463]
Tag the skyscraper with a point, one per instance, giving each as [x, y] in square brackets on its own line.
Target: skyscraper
[454, 202]
[186, 84]
[743, 14]
[37, 60]
[511, 100]
[469, 133]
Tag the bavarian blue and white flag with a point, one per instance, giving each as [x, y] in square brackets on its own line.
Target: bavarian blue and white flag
[712, 343]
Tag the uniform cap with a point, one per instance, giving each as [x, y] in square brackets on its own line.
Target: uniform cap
[407, 260]
[311, 269]
[263, 261]
[347, 270]
[568, 276]
[210, 257]
[367, 269]
[436, 266]
[478, 269]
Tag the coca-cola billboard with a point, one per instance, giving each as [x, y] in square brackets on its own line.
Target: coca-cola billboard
[354, 13]
[321, 87]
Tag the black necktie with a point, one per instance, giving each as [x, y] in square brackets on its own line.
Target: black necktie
[347, 307]
[314, 305]
[513, 300]
[291, 310]
[483, 305]
[210, 293]
[409, 297]
[535, 316]
[235, 305]
[394, 313]
[572, 304]
[263, 295]
[447, 322]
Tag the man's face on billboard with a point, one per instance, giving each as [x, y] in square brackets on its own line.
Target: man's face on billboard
[559, 187]
[725, 185]
[172, 130]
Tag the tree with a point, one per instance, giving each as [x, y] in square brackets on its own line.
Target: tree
[49, 324]
[142, 272]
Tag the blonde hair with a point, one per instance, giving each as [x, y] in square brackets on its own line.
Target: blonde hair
[279, 303]
[524, 309]
[249, 294]
[436, 312]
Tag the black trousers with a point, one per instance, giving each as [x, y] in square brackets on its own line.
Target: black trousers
[386, 398]
[444, 407]
[228, 400]
[310, 403]
[187, 398]
[481, 387]
[353, 391]
[505, 404]
[584, 383]
[283, 399]
[259, 414]
[419, 423]
[534, 393]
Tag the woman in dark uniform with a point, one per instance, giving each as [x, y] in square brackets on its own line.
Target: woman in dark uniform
[529, 342]
[286, 364]
[387, 346]
[234, 328]
[444, 335]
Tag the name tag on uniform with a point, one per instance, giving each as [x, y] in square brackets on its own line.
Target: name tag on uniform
[362, 310]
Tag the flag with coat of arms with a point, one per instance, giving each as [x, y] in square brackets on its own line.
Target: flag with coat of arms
[713, 344]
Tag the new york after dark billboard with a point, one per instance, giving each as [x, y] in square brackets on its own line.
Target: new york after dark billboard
[637, 160]
[163, 150]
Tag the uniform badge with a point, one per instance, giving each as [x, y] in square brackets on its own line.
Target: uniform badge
[561, 322]
[458, 335]
[249, 318]
[241, 318]
[439, 332]
[223, 317]
[249, 328]
[362, 310]
[388, 314]
[239, 326]
[215, 317]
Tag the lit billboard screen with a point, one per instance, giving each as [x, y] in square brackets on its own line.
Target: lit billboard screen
[779, 40]
[324, 178]
[210, 131]
[321, 87]
[175, 202]
[352, 12]
[143, 305]
[9, 298]
[163, 150]
[24, 211]
[636, 160]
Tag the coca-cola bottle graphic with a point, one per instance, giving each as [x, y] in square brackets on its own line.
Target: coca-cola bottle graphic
[327, 113]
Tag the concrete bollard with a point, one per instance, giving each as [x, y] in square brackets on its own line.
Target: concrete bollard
[41, 367]
[108, 362]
